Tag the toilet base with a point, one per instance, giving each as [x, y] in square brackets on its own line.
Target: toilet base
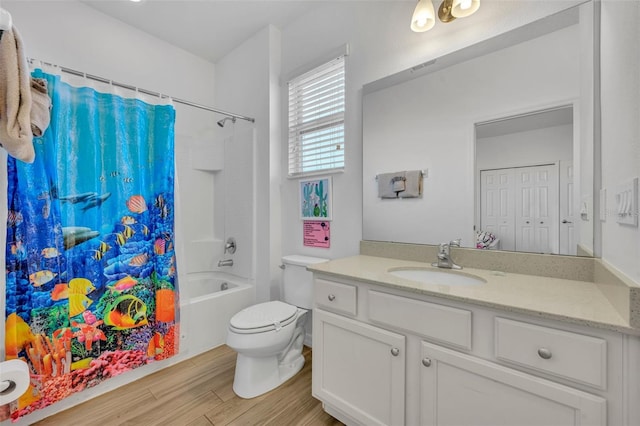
[257, 375]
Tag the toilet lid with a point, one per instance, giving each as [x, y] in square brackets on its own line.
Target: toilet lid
[263, 317]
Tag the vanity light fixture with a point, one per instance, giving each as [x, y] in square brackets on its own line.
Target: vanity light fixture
[424, 18]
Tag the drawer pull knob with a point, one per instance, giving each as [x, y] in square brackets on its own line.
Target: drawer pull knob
[395, 351]
[331, 297]
[544, 353]
[426, 362]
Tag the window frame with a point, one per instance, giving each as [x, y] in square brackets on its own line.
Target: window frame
[313, 128]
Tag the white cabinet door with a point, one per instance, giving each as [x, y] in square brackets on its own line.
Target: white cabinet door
[458, 389]
[358, 369]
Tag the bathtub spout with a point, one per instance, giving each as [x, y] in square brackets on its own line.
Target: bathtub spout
[225, 262]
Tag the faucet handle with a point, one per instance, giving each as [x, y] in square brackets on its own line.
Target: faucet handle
[456, 242]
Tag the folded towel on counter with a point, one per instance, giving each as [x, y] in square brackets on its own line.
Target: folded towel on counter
[40, 106]
[387, 182]
[15, 98]
[412, 184]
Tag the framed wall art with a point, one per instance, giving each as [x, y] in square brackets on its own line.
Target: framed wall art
[315, 199]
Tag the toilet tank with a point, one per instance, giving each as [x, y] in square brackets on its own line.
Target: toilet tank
[297, 282]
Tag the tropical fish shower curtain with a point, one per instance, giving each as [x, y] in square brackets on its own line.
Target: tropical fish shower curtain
[91, 275]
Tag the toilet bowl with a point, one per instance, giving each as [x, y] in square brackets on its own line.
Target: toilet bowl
[269, 336]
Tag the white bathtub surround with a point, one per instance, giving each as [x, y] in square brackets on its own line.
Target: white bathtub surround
[205, 309]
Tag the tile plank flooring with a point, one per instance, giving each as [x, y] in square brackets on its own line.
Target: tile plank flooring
[198, 392]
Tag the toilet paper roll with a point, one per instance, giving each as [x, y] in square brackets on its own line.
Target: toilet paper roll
[14, 380]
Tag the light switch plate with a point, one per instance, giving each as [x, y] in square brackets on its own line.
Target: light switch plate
[626, 203]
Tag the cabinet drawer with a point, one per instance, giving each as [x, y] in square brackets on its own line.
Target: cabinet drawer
[430, 320]
[335, 296]
[564, 354]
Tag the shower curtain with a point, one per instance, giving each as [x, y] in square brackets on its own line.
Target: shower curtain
[91, 289]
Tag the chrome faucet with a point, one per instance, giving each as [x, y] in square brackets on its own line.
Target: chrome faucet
[225, 262]
[444, 255]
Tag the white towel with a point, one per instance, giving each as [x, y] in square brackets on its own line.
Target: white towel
[413, 184]
[386, 184]
[15, 98]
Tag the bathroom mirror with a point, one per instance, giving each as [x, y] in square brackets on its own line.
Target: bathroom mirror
[518, 107]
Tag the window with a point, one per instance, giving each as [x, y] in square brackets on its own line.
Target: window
[316, 119]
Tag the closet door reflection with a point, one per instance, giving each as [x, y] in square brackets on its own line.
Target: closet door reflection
[520, 207]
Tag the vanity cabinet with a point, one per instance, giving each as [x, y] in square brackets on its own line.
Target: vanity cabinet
[384, 356]
[458, 389]
[363, 369]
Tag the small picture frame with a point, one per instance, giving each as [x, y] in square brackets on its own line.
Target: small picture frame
[315, 199]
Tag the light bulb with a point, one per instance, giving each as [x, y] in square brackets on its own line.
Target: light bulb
[424, 16]
[464, 8]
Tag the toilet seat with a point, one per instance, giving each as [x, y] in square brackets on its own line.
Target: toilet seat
[263, 317]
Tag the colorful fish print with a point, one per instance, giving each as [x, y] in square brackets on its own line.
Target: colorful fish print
[128, 232]
[145, 230]
[50, 252]
[159, 202]
[60, 291]
[80, 286]
[18, 333]
[102, 249]
[41, 277]
[164, 212]
[159, 246]
[127, 220]
[139, 260]
[123, 284]
[121, 239]
[126, 312]
[14, 218]
[156, 345]
[19, 250]
[127, 180]
[136, 204]
[78, 303]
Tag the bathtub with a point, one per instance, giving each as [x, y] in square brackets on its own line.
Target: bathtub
[208, 301]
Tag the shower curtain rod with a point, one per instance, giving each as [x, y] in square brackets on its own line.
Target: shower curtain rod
[146, 92]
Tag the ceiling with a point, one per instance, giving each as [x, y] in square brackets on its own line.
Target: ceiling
[207, 28]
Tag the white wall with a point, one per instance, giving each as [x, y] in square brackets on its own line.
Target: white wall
[73, 35]
[428, 123]
[620, 126]
[525, 148]
[244, 84]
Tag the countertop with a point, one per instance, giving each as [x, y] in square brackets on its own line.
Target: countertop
[577, 302]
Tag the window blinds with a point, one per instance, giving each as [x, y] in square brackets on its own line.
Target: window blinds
[316, 119]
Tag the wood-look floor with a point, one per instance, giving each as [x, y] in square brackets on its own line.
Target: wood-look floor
[198, 392]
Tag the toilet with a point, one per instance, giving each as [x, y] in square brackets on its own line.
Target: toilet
[269, 336]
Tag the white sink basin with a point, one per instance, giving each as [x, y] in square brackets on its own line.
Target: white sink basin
[436, 276]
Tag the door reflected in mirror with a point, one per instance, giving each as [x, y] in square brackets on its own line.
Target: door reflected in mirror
[526, 191]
